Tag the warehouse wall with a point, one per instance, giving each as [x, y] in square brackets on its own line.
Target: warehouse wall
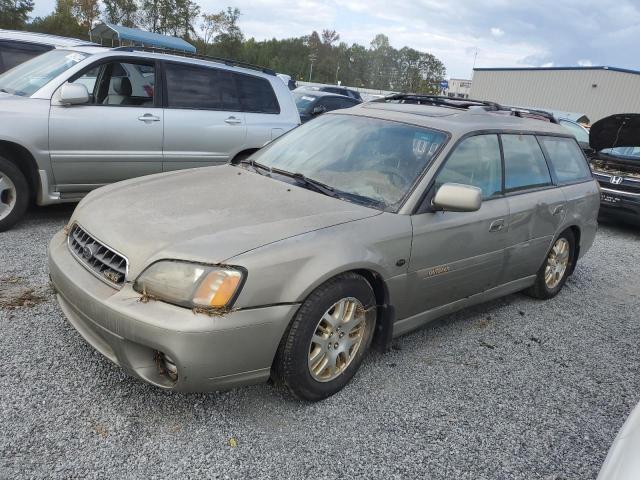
[566, 90]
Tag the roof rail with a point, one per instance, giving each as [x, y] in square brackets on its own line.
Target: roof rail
[226, 61]
[466, 104]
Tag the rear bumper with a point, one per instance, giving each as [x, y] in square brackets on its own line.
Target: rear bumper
[211, 353]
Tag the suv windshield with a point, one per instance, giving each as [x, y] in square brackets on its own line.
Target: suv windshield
[27, 78]
[359, 158]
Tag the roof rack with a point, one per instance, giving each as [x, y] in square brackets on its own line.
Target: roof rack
[467, 104]
[226, 61]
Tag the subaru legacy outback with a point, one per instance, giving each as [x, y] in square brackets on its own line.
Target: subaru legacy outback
[77, 118]
[350, 230]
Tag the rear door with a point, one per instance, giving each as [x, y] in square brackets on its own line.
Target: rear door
[458, 254]
[261, 109]
[537, 207]
[116, 136]
[204, 122]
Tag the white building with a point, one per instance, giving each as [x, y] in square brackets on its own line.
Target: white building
[458, 88]
[595, 91]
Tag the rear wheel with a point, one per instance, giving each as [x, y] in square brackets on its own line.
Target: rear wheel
[14, 194]
[556, 268]
[328, 338]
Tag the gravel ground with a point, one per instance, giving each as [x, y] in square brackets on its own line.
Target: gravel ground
[515, 388]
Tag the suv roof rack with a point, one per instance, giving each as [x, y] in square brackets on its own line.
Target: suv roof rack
[226, 61]
[467, 104]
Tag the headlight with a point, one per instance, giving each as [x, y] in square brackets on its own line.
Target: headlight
[190, 284]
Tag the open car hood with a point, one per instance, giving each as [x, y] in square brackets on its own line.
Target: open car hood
[620, 130]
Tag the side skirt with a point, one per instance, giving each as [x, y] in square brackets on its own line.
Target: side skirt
[416, 321]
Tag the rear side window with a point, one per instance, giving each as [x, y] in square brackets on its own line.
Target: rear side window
[15, 53]
[524, 163]
[202, 88]
[256, 94]
[476, 162]
[566, 159]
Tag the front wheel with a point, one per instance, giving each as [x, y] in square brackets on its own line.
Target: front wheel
[556, 268]
[14, 194]
[327, 339]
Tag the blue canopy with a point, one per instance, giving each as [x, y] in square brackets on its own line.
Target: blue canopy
[138, 37]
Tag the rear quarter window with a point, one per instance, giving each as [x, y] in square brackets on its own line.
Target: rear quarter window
[256, 94]
[566, 159]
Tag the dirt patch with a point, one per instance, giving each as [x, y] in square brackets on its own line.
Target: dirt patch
[15, 295]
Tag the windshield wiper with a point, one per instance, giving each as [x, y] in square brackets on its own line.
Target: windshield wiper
[310, 183]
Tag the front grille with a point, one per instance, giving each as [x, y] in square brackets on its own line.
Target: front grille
[105, 263]
[625, 186]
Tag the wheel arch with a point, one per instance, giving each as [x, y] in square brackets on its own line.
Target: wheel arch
[22, 158]
[243, 154]
[575, 229]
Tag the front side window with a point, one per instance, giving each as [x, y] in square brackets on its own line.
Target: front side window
[566, 159]
[475, 161]
[202, 88]
[120, 84]
[524, 163]
[363, 159]
[256, 94]
[31, 76]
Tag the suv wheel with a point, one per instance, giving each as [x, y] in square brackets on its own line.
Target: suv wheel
[14, 194]
[328, 338]
[556, 268]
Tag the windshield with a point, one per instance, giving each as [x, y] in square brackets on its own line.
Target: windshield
[303, 101]
[631, 153]
[27, 78]
[362, 157]
[579, 132]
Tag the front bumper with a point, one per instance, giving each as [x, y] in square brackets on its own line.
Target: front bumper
[210, 353]
[620, 203]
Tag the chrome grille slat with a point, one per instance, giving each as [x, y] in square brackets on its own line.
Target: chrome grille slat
[105, 263]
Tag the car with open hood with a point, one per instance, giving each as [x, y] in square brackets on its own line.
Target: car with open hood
[357, 227]
[615, 162]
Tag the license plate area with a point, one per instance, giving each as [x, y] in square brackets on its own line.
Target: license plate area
[610, 199]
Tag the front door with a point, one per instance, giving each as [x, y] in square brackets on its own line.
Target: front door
[204, 122]
[458, 254]
[117, 135]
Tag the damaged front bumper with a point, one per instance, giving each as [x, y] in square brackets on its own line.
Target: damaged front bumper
[203, 353]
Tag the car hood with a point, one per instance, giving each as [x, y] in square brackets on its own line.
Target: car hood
[623, 462]
[205, 215]
[620, 130]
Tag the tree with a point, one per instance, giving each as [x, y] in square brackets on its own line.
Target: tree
[222, 35]
[86, 11]
[61, 22]
[15, 13]
[121, 12]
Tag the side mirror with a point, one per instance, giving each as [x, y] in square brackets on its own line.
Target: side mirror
[455, 197]
[319, 109]
[74, 94]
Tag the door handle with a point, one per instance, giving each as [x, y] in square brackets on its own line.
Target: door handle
[147, 117]
[497, 225]
[558, 210]
[233, 121]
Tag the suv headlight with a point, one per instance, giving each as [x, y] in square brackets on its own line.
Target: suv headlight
[191, 284]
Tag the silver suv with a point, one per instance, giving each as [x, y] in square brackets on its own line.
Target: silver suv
[361, 225]
[74, 119]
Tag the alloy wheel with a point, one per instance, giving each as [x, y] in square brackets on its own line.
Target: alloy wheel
[8, 195]
[557, 263]
[337, 339]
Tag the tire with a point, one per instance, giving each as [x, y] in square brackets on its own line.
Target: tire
[14, 194]
[299, 362]
[544, 288]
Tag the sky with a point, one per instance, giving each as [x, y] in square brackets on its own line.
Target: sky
[503, 33]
